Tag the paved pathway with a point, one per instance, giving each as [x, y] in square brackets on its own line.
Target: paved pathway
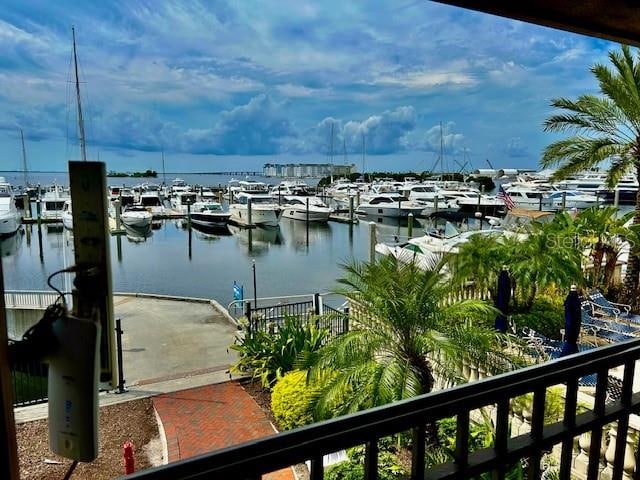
[203, 419]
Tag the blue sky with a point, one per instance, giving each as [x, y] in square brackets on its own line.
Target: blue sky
[231, 85]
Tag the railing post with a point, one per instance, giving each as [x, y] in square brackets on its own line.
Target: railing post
[247, 313]
[121, 382]
[316, 304]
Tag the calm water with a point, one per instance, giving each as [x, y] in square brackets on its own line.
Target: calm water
[173, 261]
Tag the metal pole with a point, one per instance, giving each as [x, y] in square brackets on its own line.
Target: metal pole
[39, 211]
[350, 209]
[118, 208]
[410, 225]
[189, 214]
[316, 303]
[247, 313]
[249, 213]
[540, 203]
[121, 381]
[372, 242]
[307, 221]
[255, 293]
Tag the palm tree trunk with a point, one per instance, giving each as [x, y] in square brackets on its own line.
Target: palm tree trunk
[633, 264]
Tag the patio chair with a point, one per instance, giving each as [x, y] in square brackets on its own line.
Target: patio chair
[601, 306]
[603, 330]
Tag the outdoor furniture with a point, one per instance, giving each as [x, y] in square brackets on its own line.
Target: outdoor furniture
[608, 331]
[601, 306]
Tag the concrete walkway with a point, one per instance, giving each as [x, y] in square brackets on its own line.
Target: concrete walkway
[167, 339]
[204, 419]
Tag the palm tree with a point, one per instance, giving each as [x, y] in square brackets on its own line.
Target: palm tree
[404, 334]
[605, 128]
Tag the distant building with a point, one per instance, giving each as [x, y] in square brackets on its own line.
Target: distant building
[306, 170]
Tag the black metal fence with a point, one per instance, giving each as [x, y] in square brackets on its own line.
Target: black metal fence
[253, 459]
[29, 382]
[269, 319]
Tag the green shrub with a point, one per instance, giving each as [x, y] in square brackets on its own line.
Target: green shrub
[389, 467]
[292, 400]
[268, 356]
[546, 317]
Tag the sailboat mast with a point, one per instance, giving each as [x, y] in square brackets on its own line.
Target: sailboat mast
[164, 176]
[83, 147]
[24, 159]
[441, 148]
[331, 153]
[363, 154]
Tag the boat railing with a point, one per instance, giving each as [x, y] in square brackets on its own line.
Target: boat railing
[30, 299]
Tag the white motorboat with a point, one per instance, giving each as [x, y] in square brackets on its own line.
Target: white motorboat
[264, 209]
[209, 214]
[152, 202]
[9, 215]
[388, 205]
[572, 199]
[181, 199]
[53, 202]
[67, 215]
[296, 188]
[136, 216]
[295, 207]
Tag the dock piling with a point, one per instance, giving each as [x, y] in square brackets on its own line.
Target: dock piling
[307, 222]
[564, 201]
[616, 198]
[435, 203]
[26, 206]
[350, 209]
[39, 211]
[372, 242]
[358, 198]
[249, 213]
[189, 215]
[118, 207]
[410, 225]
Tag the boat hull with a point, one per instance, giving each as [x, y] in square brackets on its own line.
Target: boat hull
[296, 213]
[67, 220]
[210, 219]
[402, 212]
[136, 221]
[266, 217]
[9, 223]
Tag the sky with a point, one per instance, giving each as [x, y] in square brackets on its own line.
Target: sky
[222, 86]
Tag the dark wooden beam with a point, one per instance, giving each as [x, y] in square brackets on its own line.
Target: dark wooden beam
[616, 20]
[8, 447]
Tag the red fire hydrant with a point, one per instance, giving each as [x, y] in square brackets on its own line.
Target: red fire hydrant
[127, 455]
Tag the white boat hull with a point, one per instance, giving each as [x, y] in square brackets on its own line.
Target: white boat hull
[300, 213]
[267, 217]
[67, 220]
[135, 219]
[377, 210]
[9, 223]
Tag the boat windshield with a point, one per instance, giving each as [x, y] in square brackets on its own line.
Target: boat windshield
[4, 191]
[261, 200]
[211, 208]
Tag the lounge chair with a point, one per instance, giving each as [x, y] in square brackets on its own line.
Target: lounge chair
[601, 306]
[610, 331]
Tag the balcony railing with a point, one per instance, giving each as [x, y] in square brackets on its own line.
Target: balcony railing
[252, 459]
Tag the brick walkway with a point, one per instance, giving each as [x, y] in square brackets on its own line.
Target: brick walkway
[208, 418]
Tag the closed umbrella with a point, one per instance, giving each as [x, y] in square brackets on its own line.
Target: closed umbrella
[572, 322]
[502, 300]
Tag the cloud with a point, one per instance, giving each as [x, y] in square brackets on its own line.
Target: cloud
[515, 148]
[426, 79]
[383, 133]
[436, 136]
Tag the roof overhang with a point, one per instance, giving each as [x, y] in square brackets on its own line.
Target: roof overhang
[616, 20]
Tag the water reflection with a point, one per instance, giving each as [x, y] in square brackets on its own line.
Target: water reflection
[11, 245]
[210, 233]
[258, 241]
[297, 232]
[137, 235]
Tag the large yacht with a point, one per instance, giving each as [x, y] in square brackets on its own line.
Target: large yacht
[295, 207]
[264, 209]
[53, 202]
[208, 214]
[9, 215]
[181, 199]
[389, 205]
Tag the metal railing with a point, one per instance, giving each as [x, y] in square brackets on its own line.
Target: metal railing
[251, 460]
[29, 299]
[29, 383]
[270, 318]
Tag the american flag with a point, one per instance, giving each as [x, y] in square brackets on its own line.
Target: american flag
[506, 198]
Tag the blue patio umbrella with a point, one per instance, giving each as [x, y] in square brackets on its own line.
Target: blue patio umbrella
[502, 300]
[572, 322]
